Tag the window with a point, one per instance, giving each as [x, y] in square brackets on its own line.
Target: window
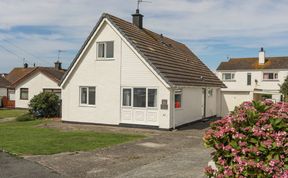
[105, 50]
[152, 97]
[270, 76]
[228, 76]
[127, 98]
[210, 92]
[178, 99]
[139, 97]
[24, 93]
[248, 78]
[56, 91]
[87, 95]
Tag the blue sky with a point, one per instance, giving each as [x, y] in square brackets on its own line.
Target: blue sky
[213, 29]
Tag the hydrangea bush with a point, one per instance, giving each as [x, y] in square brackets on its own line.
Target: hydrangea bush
[251, 141]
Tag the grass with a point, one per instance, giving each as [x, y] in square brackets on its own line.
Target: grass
[25, 138]
[4, 113]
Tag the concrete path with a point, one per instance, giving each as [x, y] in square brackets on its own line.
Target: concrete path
[161, 154]
[12, 167]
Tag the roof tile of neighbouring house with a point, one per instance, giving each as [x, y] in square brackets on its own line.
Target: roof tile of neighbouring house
[4, 83]
[19, 74]
[172, 60]
[253, 64]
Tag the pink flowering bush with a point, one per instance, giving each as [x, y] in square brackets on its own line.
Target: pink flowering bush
[251, 141]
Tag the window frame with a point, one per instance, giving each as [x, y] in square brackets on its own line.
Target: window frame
[274, 76]
[21, 95]
[210, 92]
[53, 90]
[249, 83]
[178, 92]
[87, 98]
[146, 97]
[232, 76]
[105, 58]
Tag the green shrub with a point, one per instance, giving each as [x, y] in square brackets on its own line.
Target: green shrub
[25, 117]
[45, 105]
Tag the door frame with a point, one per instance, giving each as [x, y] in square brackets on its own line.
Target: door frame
[204, 97]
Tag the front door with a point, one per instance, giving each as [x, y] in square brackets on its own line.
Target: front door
[203, 103]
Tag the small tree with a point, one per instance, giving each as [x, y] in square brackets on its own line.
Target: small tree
[45, 105]
[284, 89]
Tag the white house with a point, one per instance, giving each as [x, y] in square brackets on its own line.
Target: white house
[126, 74]
[26, 82]
[250, 79]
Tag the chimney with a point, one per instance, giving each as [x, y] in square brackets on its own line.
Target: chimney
[58, 65]
[25, 65]
[138, 19]
[262, 56]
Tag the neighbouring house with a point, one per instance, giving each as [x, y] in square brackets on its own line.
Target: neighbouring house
[125, 74]
[26, 82]
[4, 84]
[254, 78]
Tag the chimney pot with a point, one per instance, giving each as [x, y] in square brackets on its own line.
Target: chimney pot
[25, 65]
[138, 19]
[58, 65]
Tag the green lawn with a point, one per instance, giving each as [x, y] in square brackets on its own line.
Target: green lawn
[25, 138]
[4, 113]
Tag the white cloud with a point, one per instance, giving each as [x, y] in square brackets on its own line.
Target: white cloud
[242, 24]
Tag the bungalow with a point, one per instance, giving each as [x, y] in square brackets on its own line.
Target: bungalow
[125, 74]
[26, 82]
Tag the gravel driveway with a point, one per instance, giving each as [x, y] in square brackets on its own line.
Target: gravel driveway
[162, 154]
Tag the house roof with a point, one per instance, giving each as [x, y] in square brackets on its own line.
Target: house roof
[173, 61]
[18, 75]
[4, 83]
[253, 64]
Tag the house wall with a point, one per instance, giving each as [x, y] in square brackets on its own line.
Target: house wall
[238, 91]
[3, 92]
[191, 109]
[126, 70]
[35, 84]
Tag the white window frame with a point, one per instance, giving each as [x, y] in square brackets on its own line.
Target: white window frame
[132, 98]
[83, 104]
[105, 51]
[178, 92]
[232, 76]
[210, 92]
[274, 74]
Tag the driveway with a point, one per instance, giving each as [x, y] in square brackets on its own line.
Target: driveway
[12, 167]
[162, 154]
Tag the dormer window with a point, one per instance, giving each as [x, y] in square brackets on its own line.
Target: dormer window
[228, 76]
[105, 50]
[270, 76]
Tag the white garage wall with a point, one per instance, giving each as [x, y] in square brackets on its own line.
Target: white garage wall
[36, 83]
[231, 99]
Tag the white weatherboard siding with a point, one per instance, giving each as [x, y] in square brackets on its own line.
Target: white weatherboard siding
[192, 105]
[125, 70]
[35, 84]
[3, 92]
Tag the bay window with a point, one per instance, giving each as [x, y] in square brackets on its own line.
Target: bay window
[139, 97]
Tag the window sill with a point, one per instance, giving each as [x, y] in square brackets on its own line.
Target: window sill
[105, 59]
[24, 99]
[87, 106]
[130, 107]
[229, 80]
[179, 109]
[270, 80]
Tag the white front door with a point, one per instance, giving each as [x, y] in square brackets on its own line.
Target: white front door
[139, 106]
